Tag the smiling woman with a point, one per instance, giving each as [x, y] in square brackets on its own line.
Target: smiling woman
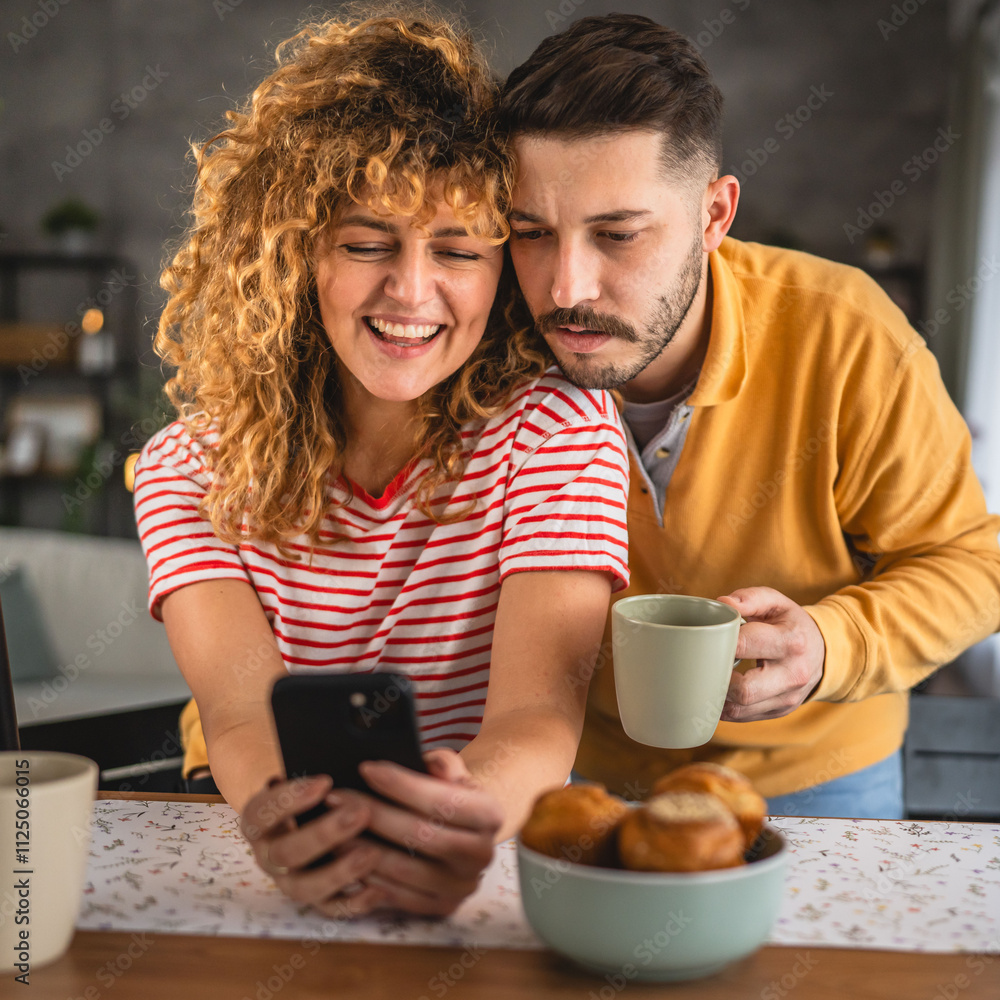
[370, 470]
[404, 305]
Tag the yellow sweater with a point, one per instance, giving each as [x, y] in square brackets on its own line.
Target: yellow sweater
[824, 459]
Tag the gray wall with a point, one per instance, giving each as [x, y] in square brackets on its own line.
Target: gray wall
[185, 62]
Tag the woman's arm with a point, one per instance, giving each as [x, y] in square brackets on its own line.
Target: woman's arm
[224, 645]
[548, 632]
[225, 648]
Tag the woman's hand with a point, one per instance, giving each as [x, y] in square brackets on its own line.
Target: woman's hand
[445, 832]
[283, 849]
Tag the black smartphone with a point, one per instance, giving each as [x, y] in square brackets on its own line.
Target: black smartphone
[330, 723]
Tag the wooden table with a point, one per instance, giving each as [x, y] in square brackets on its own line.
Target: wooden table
[179, 967]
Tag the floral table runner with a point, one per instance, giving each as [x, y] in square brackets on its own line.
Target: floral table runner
[183, 867]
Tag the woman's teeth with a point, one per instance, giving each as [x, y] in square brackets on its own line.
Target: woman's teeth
[405, 332]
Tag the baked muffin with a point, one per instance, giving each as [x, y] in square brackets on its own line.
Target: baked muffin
[577, 823]
[680, 832]
[733, 788]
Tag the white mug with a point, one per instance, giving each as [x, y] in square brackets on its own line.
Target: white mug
[46, 801]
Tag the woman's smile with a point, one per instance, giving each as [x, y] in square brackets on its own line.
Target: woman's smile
[401, 339]
[405, 304]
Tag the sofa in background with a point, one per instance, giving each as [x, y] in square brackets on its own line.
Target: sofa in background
[92, 670]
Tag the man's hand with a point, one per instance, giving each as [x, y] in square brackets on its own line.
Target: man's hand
[788, 647]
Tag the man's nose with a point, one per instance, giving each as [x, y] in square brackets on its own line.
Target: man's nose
[576, 279]
[411, 281]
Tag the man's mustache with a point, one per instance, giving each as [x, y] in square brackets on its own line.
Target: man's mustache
[590, 320]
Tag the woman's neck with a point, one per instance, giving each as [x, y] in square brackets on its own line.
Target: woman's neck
[381, 438]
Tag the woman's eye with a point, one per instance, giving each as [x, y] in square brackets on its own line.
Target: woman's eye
[362, 250]
[460, 255]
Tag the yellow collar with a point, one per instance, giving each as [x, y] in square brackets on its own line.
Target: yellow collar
[724, 369]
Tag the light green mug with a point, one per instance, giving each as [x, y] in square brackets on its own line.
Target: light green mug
[673, 660]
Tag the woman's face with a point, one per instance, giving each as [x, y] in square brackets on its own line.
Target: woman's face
[405, 307]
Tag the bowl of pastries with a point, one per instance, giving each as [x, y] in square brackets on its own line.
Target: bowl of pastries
[672, 888]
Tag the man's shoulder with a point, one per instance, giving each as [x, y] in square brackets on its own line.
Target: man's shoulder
[796, 283]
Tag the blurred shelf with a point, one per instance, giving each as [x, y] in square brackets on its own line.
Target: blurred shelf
[44, 359]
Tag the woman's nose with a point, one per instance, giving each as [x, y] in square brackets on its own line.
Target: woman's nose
[411, 281]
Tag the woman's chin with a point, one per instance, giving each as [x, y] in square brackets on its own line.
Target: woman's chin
[399, 392]
[405, 386]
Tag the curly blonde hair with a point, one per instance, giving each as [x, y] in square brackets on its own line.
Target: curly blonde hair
[378, 111]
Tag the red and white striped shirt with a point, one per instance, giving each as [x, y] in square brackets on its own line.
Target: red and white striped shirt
[402, 593]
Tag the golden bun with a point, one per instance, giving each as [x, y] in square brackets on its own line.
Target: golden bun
[577, 823]
[680, 832]
[733, 788]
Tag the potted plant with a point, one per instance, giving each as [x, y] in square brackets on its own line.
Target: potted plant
[71, 224]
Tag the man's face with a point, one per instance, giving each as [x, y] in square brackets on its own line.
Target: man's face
[608, 251]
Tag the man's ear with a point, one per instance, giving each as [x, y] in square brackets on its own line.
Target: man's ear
[718, 209]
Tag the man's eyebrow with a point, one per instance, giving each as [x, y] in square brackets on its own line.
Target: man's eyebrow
[369, 222]
[624, 215]
[517, 216]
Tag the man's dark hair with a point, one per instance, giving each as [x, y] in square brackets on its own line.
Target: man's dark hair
[609, 74]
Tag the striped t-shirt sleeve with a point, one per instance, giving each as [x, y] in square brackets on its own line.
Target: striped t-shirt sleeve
[180, 546]
[567, 494]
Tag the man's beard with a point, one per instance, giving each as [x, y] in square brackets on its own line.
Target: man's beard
[669, 312]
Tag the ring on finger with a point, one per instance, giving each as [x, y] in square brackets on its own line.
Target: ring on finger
[268, 865]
